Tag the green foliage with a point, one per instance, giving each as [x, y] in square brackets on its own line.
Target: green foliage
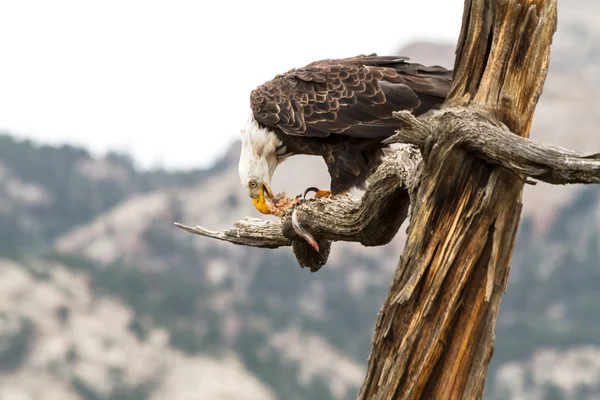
[85, 390]
[30, 161]
[175, 300]
[283, 377]
[74, 198]
[569, 255]
[122, 392]
[14, 348]
[552, 392]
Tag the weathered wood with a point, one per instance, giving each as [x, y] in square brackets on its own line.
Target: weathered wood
[367, 220]
[434, 334]
[372, 220]
[253, 232]
[483, 137]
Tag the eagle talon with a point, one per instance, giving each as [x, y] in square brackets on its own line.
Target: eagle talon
[318, 193]
[310, 189]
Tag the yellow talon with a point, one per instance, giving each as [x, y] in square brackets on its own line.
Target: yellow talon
[323, 193]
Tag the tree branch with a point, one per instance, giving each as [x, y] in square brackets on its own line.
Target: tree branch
[253, 232]
[476, 131]
[372, 220]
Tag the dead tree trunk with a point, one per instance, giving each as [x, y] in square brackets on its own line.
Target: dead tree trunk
[435, 333]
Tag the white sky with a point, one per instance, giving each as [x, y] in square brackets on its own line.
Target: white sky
[169, 81]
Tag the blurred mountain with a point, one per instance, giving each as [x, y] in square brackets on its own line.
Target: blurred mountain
[67, 340]
[45, 191]
[103, 298]
[430, 53]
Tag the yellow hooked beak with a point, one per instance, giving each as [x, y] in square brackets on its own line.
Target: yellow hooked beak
[261, 203]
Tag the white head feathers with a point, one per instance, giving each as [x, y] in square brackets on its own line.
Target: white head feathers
[258, 159]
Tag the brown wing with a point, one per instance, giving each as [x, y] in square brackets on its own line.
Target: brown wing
[353, 96]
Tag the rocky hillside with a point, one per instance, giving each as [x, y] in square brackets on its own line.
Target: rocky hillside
[67, 341]
[127, 307]
[103, 298]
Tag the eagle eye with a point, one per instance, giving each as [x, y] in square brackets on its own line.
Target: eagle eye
[252, 184]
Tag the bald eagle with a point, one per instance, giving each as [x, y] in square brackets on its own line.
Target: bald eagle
[339, 109]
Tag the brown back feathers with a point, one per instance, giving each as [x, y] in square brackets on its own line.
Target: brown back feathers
[352, 96]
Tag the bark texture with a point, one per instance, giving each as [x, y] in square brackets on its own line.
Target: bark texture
[372, 220]
[480, 134]
[434, 335]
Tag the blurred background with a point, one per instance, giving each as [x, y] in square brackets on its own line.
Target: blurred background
[119, 118]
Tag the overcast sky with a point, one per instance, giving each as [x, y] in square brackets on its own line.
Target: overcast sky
[169, 81]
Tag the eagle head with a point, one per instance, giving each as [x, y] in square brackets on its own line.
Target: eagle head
[258, 161]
